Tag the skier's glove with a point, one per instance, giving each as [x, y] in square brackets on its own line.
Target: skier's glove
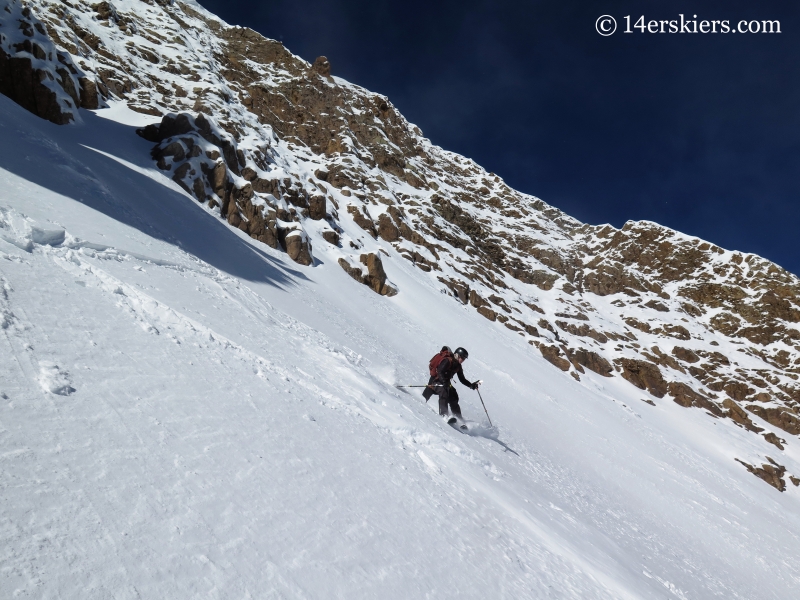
[476, 384]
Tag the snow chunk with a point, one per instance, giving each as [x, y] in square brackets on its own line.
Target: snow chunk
[55, 380]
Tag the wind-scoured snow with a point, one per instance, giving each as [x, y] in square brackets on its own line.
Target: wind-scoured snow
[185, 413]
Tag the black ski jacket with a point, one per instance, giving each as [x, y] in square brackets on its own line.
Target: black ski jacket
[449, 368]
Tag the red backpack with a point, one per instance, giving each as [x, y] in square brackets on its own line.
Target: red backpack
[434, 364]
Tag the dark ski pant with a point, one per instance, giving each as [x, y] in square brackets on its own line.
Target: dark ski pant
[447, 395]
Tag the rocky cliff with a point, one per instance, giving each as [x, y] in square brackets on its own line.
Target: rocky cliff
[294, 156]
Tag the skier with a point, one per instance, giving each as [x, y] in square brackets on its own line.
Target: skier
[443, 367]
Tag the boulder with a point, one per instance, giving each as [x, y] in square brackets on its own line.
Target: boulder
[330, 236]
[217, 178]
[387, 230]
[644, 375]
[771, 473]
[738, 390]
[459, 288]
[665, 360]
[739, 415]
[552, 355]
[268, 237]
[296, 244]
[487, 312]
[656, 305]
[475, 299]
[376, 279]
[685, 354]
[317, 207]
[298, 248]
[362, 220]
[685, 396]
[774, 440]
[531, 330]
[591, 360]
[779, 417]
[676, 331]
[355, 272]
[582, 330]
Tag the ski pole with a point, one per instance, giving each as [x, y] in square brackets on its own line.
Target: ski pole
[416, 386]
[484, 407]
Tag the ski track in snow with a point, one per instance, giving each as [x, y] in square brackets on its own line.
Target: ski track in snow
[158, 319]
[168, 429]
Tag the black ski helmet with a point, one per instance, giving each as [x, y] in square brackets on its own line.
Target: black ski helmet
[462, 353]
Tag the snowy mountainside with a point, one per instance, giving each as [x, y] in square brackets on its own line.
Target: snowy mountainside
[198, 399]
[228, 426]
[299, 159]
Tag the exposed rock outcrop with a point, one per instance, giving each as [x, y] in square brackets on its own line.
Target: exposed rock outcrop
[644, 375]
[553, 355]
[35, 74]
[370, 274]
[771, 472]
[592, 360]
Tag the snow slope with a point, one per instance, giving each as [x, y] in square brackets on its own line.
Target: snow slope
[185, 413]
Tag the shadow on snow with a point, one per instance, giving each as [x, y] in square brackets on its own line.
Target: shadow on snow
[69, 161]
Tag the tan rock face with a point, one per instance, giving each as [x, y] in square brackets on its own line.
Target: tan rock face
[362, 220]
[459, 289]
[316, 207]
[377, 276]
[779, 417]
[738, 390]
[686, 397]
[644, 375]
[298, 248]
[582, 330]
[775, 440]
[685, 354]
[55, 87]
[387, 230]
[375, 279]
[25, 86]
[739, 415]
[663, 360]
[330, 236]
[726, 323]
[321, 66]
[305, 107]
[206, 162]
[770, 472]
[487, 312]
[553, 355]
[592, 360]
[354, 271]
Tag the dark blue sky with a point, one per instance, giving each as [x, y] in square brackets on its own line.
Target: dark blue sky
[700, 132]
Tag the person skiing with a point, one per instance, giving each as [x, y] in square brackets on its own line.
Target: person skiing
[443, 367]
